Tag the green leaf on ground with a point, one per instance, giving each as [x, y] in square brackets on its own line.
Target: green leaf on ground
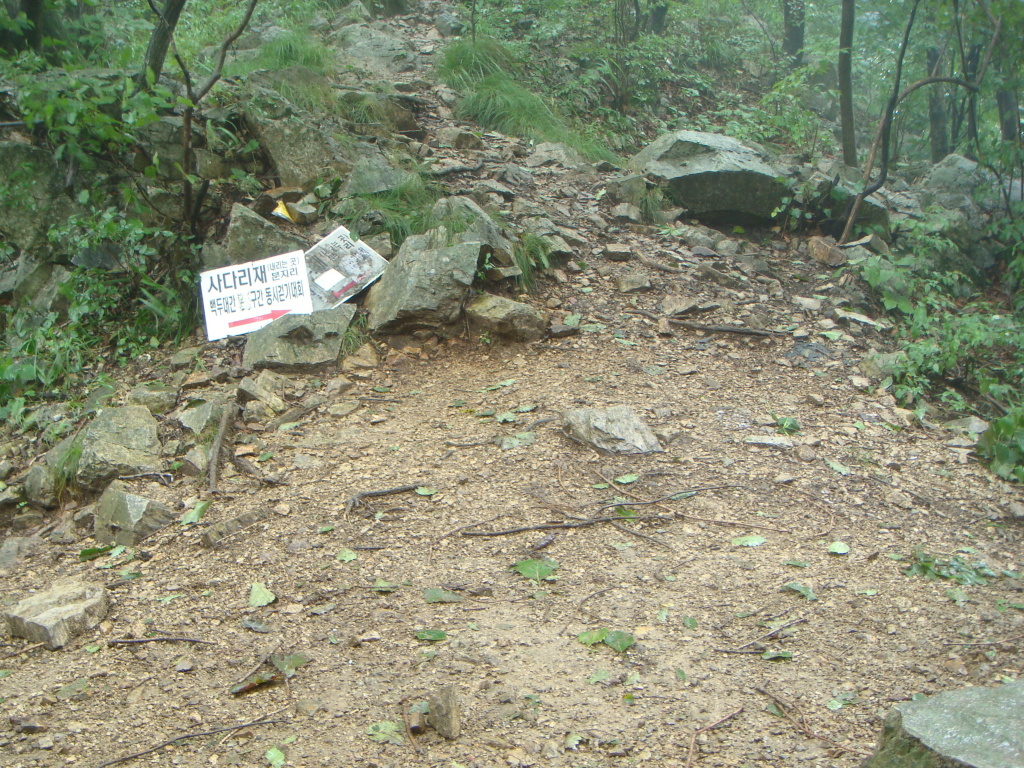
[797, 563]
[572, 320]
[748, 541]
[260, 596]
[599, 486]
[689, 622]
[535, 569]
[91, 553]
[619, 641]
[598, 676]
[275, 757]
[195, 514]
[800, 589]
[345, 555]
[627, 479]
[384, 587]
[499, 385]
[592, 636]
[776, 655]
[433, 635]
[839, 548]
[440, 595]
[842, 469]
[289, 663]
[957, 595]
[425, 491]
[507, 417]
[626, 512]
[386, 732]
[680, 675]
[508, 442]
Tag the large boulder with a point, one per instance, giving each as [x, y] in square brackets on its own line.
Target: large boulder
[968, 728]
[372, 50]
[119, 441]
[33, 199]
[957, 198]
[714, 177]
[300, 153]
[471, 224]
[250, 237]
[425, 285]
[373, 174]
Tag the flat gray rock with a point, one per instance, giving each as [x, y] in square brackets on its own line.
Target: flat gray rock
[127, 518]
[507, 318]
[968, 728]
[300, 342]
[616, 429]
[64, 610]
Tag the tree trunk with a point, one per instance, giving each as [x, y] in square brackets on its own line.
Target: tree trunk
[845, 67]
[938, 125]
[1009, 111]
[34, 11]
[793, 14]
[159, 42]
[971, 75]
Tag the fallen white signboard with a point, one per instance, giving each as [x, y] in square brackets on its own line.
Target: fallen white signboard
[340, 267]
[245, 297]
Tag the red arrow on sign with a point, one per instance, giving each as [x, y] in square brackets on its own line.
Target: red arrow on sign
[259, 318]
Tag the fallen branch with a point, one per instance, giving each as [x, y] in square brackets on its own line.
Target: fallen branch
[437, 172]
[566, 524]
[260, 663]
[357, 498]
[724, 329]
[658, 265]
[26, 649]
[765, 636]
[135, 641]
[803, 727]
[705, 729]
[408, 726]
[230, 409]
[579, 605]
[167, 743]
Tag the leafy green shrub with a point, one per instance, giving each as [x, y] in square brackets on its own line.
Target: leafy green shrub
[1003, 445]
[58, 348]
[85, 114]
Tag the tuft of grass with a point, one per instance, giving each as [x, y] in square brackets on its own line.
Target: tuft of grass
[464, 62]
[530, 255]
[498, 103]
[401, 212]
[296, 48]
[650, 205]
[355, 335]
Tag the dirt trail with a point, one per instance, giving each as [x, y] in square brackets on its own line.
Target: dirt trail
[795, 651]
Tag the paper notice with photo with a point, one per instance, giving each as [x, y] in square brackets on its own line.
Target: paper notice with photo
[340, 267]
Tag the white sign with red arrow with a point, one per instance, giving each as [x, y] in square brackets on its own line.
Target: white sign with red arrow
[243, 298]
